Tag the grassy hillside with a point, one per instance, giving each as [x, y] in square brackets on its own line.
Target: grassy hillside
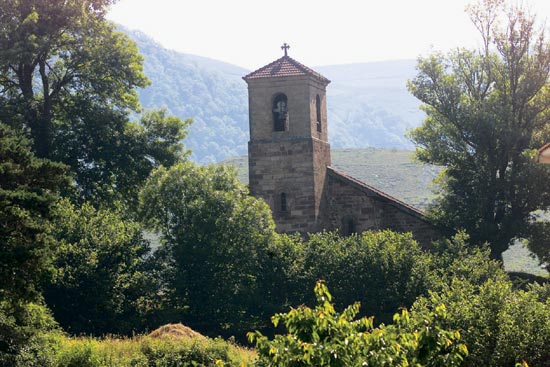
[392, 171]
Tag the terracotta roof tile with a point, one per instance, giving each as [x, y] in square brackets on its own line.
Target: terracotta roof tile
[285, 66]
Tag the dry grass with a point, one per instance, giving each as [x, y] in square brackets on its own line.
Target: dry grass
[175, 331]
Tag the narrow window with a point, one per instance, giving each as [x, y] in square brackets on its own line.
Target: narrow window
[280, 113]
[318, 110]
[283, 202]
[349, 226]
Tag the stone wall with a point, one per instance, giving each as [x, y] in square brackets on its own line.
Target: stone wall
[370, 209]
[346, 202]
[400, 221]
[292, 162]
[288, 167]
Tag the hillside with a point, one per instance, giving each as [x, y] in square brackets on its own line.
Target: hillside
[392, 171]
[368, 104]
[209, 91]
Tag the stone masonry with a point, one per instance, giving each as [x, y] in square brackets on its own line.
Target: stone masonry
[289, 161]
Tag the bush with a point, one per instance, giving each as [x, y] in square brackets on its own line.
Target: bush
[102, 281]
[27, 335]
[500, 325]
[209, 352]
[323, 337]
[384, 270]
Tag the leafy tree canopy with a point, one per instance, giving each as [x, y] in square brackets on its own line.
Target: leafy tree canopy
[28, 192]
[487, 110]
[101, 283]
[216, 242]
[69, 80]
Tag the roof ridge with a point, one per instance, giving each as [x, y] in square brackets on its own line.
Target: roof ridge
[377, 191]
[280, 67]
[304, 68]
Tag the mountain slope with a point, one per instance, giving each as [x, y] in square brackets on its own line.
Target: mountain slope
[209, 91]
[368, 104]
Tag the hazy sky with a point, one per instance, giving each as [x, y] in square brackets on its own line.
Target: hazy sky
[249, 33]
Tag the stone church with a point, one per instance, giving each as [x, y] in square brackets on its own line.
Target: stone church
[289, 160]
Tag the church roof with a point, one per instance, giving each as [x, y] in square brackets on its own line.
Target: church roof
[285, 66]
[373, 192]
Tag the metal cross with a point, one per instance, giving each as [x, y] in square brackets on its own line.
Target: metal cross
[285, 47]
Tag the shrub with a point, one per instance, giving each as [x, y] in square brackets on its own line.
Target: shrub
[102, 280]
[500, 325]
[323, 337]
[27, 335]
[384, 270]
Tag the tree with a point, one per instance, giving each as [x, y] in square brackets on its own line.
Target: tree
[383, 270]
[28, 192]
[102, 283]
[111, 159]
[69, 80]
[501, 326]
[63, 55]
[486, 111]
[216, 242]
[324, 337]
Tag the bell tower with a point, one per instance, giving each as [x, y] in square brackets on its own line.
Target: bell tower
[288, 151]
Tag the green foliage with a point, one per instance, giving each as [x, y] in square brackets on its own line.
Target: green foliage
[28, 187]
[27, 334]
[383, 270]
[485, 114]
[500, 325]
[63, 54]
[215, 241]
[209, 352]
[455, 259]
[538, 241]
[113, 158]
[102, 284]
[324, 337]
[69, 80]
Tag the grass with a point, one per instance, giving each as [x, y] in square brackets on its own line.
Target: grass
[142, 351]
[392, 171]
[518, 259]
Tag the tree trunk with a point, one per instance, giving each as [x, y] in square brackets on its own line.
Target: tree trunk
[43, 137]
